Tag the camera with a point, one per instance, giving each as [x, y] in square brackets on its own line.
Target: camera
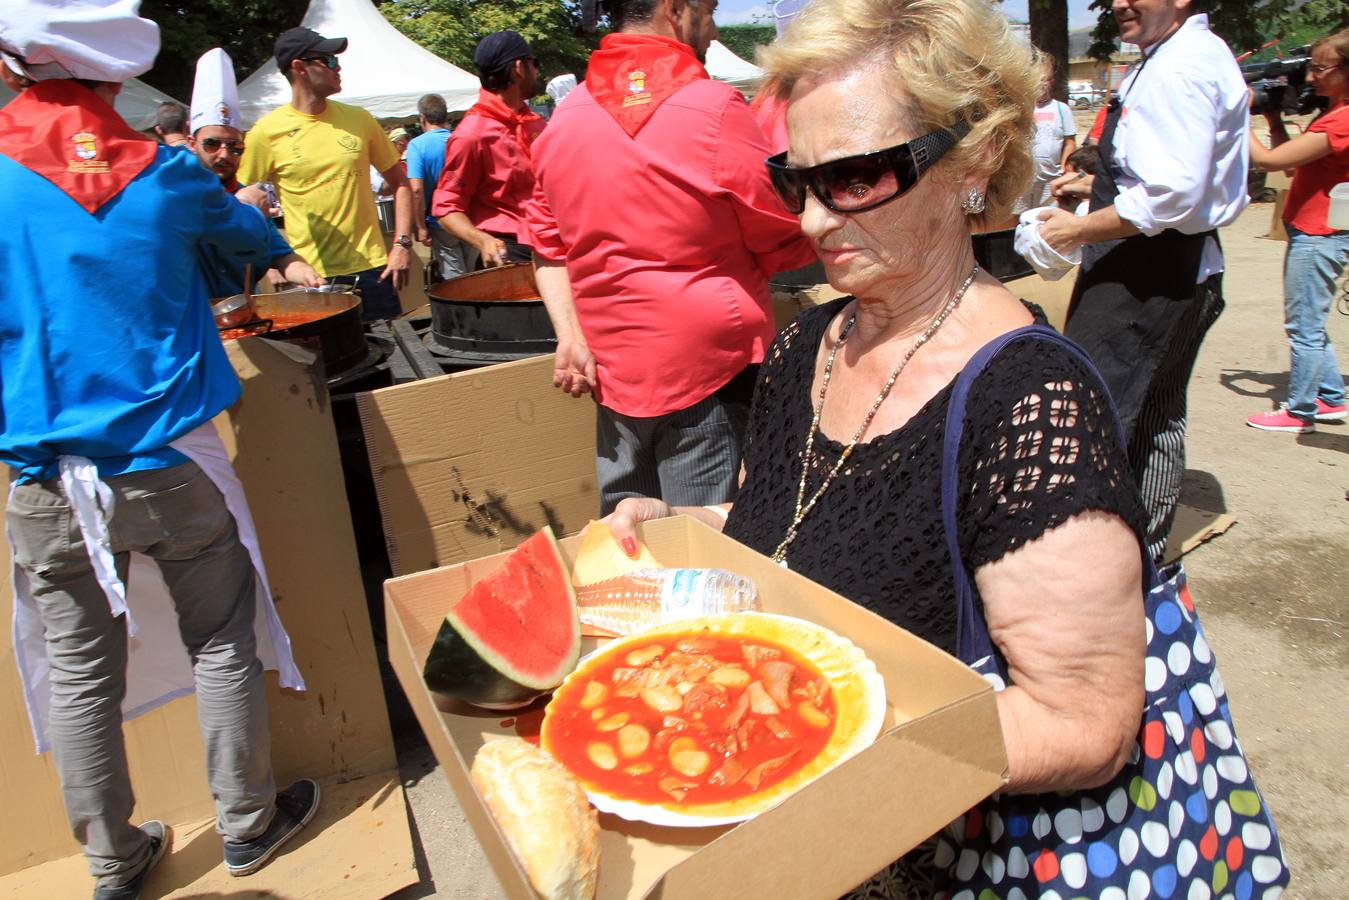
[1281, 86]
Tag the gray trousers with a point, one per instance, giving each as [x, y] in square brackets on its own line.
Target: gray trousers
[1157, 445]
[686, 458]
[177, 517]
[450, 255]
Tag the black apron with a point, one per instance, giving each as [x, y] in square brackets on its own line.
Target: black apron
[1134, 295]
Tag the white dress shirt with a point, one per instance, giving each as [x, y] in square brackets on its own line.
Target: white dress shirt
[1181, 142]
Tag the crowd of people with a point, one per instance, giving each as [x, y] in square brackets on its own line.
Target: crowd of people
[925, 445]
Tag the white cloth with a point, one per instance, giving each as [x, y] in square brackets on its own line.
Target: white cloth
[560, 87]
[1048, 262]
[215, 93]
[101, 40]
[1181, 144]
[158, 667]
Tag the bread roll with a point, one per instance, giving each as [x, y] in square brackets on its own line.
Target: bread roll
[544, 814]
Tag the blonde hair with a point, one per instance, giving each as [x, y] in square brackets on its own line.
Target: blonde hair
[956, 59]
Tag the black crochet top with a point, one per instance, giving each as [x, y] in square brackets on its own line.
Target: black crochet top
[1039, 447]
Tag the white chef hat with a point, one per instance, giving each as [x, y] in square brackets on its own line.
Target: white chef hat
[97, 40]
[561, 86]
[215, 93]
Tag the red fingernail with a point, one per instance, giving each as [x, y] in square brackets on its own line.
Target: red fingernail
[630, 546]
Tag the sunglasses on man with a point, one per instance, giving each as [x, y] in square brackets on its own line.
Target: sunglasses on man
[211, 145]
[327, 59]
[858, 183]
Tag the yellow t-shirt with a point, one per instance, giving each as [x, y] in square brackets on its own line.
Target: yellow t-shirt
[321, 166]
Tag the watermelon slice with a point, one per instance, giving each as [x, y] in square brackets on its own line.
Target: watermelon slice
[514, 635]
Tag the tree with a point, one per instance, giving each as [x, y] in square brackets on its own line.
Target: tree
[244, 28]
[744, 40]
[1049, 33]
[1244, 24]
[452, 28]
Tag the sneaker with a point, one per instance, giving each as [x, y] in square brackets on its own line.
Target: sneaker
[1327, 413]
[1280, 420]
[161, 836]
[295, 806]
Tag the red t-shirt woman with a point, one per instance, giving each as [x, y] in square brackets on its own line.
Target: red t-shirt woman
[1317, 250]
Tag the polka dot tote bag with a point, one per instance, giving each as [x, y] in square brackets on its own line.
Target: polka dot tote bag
[1183, 819]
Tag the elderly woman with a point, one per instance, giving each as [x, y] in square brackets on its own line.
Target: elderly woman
[909, 125]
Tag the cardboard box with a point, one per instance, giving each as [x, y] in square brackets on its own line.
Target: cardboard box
[281, 440]
[940, 754]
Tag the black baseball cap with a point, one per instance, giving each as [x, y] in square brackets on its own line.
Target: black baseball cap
[298, 42]
[499, 49]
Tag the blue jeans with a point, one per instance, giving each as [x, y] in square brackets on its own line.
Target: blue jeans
[378, 298]
[1310, 270]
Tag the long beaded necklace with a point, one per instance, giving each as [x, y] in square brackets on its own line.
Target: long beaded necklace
[803, 507]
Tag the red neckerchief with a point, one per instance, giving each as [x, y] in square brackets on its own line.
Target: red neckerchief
[64, 132]
[631, 75]
[232, 186]
[524, 121]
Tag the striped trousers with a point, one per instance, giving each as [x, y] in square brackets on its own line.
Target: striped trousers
[1157, 442]
[686, 458]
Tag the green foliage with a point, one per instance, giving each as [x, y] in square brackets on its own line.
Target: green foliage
[1245, 24]
[452, 28]
[742, 40]
[246, 29]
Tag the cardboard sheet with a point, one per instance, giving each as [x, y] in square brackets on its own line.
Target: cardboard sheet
[356, 848]
[942, 751]
[471, 464]
[280, 436]
[1192, 527]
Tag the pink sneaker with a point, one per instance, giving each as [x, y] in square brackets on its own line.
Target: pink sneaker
[1327, 413]
[1279, 420]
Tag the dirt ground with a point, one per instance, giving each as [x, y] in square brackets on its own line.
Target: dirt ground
[1273, 594]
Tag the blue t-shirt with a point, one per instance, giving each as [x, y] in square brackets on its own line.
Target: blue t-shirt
[425, 157]
[107, 344]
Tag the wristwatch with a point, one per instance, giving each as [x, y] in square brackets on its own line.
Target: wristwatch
[404, 241]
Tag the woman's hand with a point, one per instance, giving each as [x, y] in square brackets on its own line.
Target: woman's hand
[631, 512]
[1066, 611]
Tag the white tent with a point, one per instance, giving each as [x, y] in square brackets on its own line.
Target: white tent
[723, 65]
[137, 102]
[383, 71]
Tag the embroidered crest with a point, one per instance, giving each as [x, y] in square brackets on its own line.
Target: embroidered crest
[224, 111]
[85, 145]
[86, 159]
[637, 92]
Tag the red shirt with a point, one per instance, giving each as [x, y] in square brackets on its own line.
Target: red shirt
[488, 174]
[669, 238]
[1309, 195]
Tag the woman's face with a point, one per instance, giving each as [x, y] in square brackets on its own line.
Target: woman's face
[877, 252]
[1327, 73]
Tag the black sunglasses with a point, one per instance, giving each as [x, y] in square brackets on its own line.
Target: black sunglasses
[328, 60]
[211, 145]
[859, 183]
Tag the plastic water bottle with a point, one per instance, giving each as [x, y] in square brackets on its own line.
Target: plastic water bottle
[651, 596]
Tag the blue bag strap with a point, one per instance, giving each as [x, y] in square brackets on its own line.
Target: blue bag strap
[972, 639]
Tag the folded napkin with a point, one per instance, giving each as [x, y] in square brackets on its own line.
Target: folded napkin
[1048, 262]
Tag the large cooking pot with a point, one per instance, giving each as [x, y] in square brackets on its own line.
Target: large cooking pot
[491, 316]
[324, 321]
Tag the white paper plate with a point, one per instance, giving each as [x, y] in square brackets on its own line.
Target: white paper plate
[858, 689]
